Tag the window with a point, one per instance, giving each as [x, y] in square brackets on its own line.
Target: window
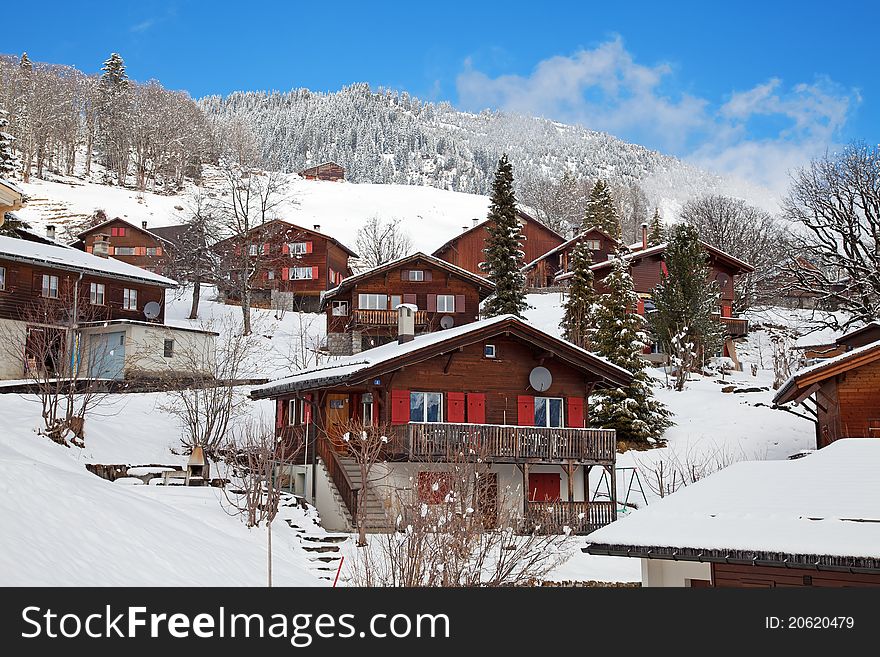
[2, 278]
[300, 273]
[124, 250]
[548, 412]
[373, 301]
[340, 308]
[168, 348]
[96, 294]
[297, 248]
[445, 303]
[396, 300]
[416, 275]
[253, 249]
[367, 409]
[270, 275]
[593, 245]
[425, 407]
[489, 351]
[295, 412]
[153, 251]
[50, 286]
[117, 231]
[129, 299]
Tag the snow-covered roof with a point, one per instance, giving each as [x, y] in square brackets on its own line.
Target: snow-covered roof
[565, 245]
[346, 366]
[483, 222]
[73, 259]
[870, 326]
[832, 366]
[126, 222]
[12, 186]
[822, 504]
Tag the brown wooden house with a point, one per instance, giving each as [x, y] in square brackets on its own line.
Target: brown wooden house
[362, 309]
[292, 265]
[844, 394]
[127, 242]
[11, 198]
[509, 391]
[543, 271]
[329, 171]
[465, 250]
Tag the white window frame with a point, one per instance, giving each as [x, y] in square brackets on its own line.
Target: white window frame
[417, 275]
[489, 351]
[339, 308]
[2, 278]
[270, 275]
[97, 294]
[448, 303]
[124, 250]
[369, 297]
[396, 300]
[297, 248]
[253, 249]
[424, 419]
[129, 298]
[295, 412]
[152, 250]
[48, 290]
[367, 409]
[594, 245]
[299, 273]
[547, 401]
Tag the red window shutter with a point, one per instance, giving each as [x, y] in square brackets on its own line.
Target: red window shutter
[279, 412]
[428, 275]
[375, 409]
[307, 409]
[285, 274]
[726, 311]
[663, 268]
[544, 486]
[640, 307]
[399, 406]
[432, 303]
[121, 231]
[315, 273]
[37, 286]
[525, 405]
[409, 298]
[404, 274]
[238, 249]
[111, 250]
[575, 411]
[158, 250]
[455, 406]
[88, 249]
[459, 303]
[285, 249]
[476, 408]
[308, 247]
[265, 248]
[142, 250]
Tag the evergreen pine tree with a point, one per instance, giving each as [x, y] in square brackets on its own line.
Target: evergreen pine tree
[114, 76]
[25, 63]
[577, 321]
[685, 301]
[8, 160]
[503, 250]
[601, 212]
[656, 232]
[620, 337]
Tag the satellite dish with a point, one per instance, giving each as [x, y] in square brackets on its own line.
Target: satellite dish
[447, 321]
[152, 310]
[540, 379]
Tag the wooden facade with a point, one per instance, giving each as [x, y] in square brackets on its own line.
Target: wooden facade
[325, 171]
[129, 243]
[11, 198]
[753, 576]
[466, 249]
[289, 259]
[437, 289]
[543, 271]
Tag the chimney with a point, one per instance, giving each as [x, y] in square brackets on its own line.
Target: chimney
[476, 221]
[318, 227]
[101, 246]
[50, 231]
[464, 229]
[144, 225]
[644, 236]
[406, 322]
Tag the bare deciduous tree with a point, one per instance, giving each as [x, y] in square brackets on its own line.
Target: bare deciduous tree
[675, 469]
[380, 241]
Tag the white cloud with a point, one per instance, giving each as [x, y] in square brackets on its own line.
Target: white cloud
[606, 89]
[143, 26]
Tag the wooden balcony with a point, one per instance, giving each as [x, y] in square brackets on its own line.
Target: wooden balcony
[505, 443]
[734, 327]
[579, 517]
[383, 317]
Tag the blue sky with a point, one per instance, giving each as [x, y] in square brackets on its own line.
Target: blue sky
[750, 88]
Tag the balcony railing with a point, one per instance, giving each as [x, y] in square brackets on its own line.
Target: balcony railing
[384, 317]
[505, 443]
[735, 327]
[579, 517]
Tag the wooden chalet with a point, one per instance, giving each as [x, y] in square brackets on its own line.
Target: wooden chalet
[293, 265]
[127, 242]
[842, 393]
[465, 250]
[362, 309]
[468, 385]
[11, 198]
[809, 521]
[543, 271]
[329, 171]
[814, 352]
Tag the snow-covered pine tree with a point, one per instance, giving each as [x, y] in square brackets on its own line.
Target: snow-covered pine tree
[114, 76]
[601, 212]
[577, 320]
[25, 63]
[503, 250]
[620, 337]
[8, 160]
[685, 301]
[656, 232]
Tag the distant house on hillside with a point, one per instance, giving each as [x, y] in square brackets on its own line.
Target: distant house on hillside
[813, 351]
[127, 242]
[810, 521]
[292, 265]
[362, 309]
[325, 171]
[543, 270]
[465, 250]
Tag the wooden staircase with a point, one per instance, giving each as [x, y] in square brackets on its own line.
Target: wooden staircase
[377, 519]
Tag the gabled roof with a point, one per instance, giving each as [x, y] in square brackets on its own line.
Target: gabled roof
[350, 370]
[486, 286]
[307, 230]
[315, 166]
[847, 337]
[61, 257]
[171, 233]
[819, 511]
[802, 383]
[127, 223]
[565, 245]
[482, 224]
[11, 185]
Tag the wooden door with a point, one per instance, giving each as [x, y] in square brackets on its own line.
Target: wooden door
[337, 412]
[544, 486]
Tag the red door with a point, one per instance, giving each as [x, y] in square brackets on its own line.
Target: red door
[544, 486]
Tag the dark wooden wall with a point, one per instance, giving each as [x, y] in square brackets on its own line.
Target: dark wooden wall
[851, 403]
[326, 171]
[546, 269]
[132, 238]
[732, 575]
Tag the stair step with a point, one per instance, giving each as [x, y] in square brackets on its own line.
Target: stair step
[321, 548]
[329, 538]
